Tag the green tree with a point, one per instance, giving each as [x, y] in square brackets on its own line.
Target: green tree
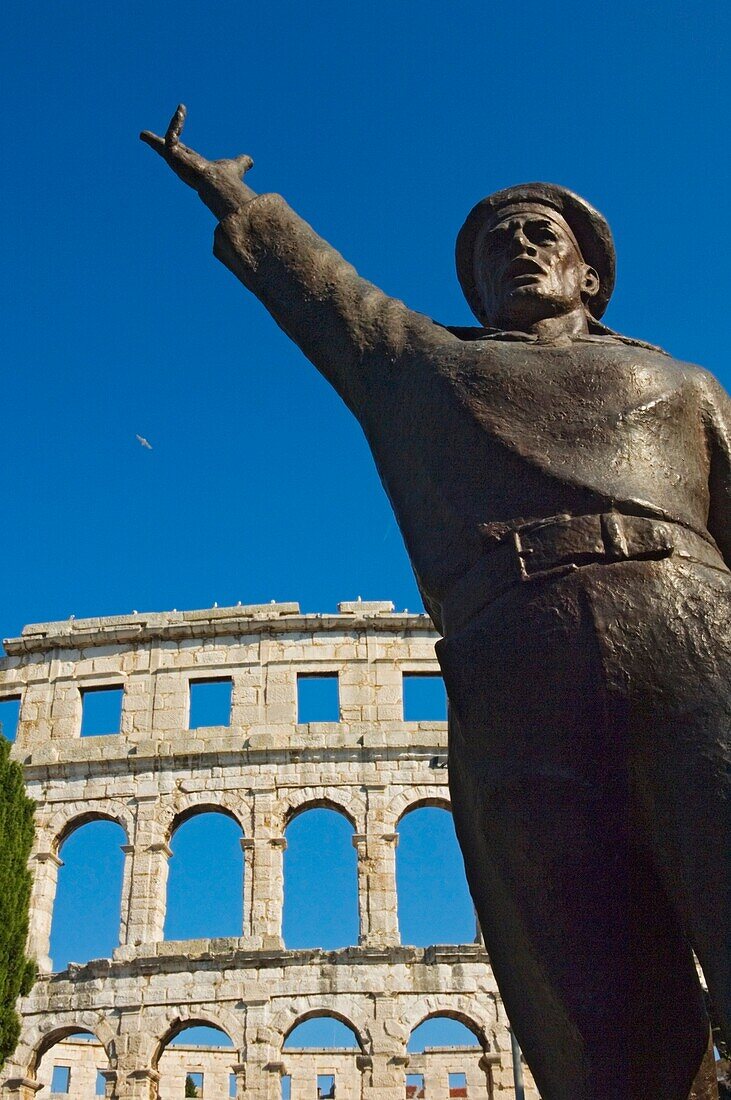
[16, 838]
[191, 1089]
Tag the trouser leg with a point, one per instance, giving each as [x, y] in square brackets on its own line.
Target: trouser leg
[679, 717]
[688, 814]
[597, 977]
[585, 939]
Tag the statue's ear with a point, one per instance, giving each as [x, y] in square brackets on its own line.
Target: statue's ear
[590, 283]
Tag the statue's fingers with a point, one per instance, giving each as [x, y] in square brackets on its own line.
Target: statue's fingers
[175, 128]
[183, 154]
[155, 142]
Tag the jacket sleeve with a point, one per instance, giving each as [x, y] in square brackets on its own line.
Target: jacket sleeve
[346, 326]
[717, 415]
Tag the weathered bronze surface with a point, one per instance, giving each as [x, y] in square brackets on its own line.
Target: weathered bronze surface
[563, 492]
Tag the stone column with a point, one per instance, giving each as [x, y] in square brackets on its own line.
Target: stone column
[259, 1077]
[138, 1084]
[264, 876]
[143, 914]
[382, 1075]
[126, 901]
[377, 898]
[261, 1054]
[263, 891]
[110, 1086]
[248, 847]
[271, 1084]
[21, 1088]
[486, 1063]
[44, 867]
[239, 1068]
[384, 1061]
[396, 1068]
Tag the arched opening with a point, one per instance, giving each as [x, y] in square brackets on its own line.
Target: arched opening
[444, 1059]
[321, 1030]
[205, 877]
[319, 1055]
[434, 904]
[197, 1060]
[86, 913]
[72, 1064]
[320, 881]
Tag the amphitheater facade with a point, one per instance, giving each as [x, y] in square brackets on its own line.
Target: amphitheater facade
[262, 769]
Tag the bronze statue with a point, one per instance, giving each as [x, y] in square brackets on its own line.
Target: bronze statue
[564, 493]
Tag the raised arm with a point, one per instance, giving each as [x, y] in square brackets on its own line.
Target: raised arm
[346, 326]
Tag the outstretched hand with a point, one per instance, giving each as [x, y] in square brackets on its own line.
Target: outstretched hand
[218, 182]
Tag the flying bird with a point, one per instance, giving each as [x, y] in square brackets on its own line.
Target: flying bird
[143, 442]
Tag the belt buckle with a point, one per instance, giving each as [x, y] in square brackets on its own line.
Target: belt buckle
[523, 556]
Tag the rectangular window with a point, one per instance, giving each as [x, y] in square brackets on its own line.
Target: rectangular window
[9, 714]
[458, 1085]
[286, 1087]
[325, 1086]
[101, 710]
[233, 1086]
[101, 1084]
[193, 1084]
[61, 1080]
[210, 703]
[425, 699]
[414, 1086]
[318, 699]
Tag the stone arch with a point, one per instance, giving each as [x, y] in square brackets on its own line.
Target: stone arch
[309, 800]
[220, 1020]
[465, 1011]
[199, 803]
[417, 798]
[68, 821]
[344, 800]
[325, 1013]
[33, 1046]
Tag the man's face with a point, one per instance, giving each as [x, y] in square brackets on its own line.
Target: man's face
[528, 267]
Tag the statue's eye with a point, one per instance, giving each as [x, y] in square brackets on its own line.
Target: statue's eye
[495, 240]
[540, 234]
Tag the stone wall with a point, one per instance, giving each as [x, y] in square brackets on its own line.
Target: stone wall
[87, 1061]
[262, 769]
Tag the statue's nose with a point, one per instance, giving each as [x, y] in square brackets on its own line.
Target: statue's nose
[520, 245]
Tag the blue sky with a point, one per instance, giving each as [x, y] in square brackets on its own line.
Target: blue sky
[382, 123]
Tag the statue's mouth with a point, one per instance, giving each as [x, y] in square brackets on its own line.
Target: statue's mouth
[524, 271]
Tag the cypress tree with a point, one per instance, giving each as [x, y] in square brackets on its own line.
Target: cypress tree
[16, 838]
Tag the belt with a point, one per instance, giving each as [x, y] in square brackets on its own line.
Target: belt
[561, 544]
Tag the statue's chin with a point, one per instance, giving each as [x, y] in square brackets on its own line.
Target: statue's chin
[526, 305]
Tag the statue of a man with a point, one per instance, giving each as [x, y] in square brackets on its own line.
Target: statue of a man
[564, 494]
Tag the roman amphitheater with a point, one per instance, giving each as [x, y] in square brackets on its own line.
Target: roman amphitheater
[106, 1024]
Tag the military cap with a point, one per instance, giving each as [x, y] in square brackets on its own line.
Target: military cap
[589, 227]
